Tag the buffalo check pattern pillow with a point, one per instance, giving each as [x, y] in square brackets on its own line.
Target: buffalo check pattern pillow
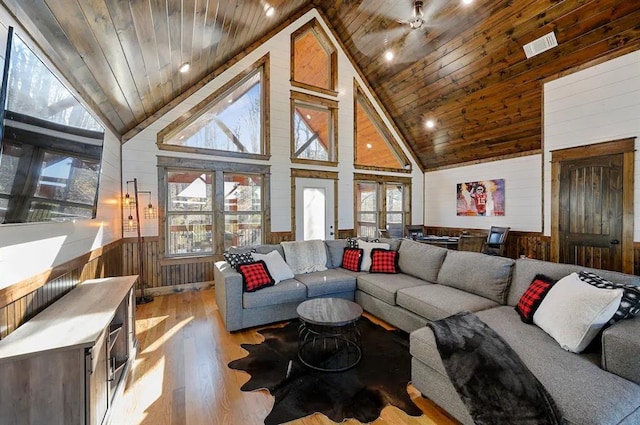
[384, 261]
[255, 276]
[352, 259]
[533, 296]
[237, 258]
[630, 303]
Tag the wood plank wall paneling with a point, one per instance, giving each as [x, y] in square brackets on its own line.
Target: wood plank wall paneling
[531, 244]
[17, 312]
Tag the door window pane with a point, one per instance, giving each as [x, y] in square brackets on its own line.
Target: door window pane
[314, 200]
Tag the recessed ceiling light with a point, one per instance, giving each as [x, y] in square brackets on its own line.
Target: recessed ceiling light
[184, 67]
[467, 1]
[430, 124]
[270, 11]
[388, 55]
[230, 100]
[308, 116]
[369, 145]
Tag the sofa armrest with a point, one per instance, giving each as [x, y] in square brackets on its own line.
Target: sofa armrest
[228, 290]
[620, 348]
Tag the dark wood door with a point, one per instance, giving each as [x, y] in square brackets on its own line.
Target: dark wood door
[590, 225]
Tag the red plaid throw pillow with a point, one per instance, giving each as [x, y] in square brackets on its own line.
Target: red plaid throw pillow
[383, 261]
[533, 296]
[352, 259]
[255, 276]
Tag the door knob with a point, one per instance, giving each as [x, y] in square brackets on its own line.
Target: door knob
[615, 242]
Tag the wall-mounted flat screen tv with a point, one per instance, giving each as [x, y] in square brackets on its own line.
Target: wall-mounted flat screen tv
[51, 146]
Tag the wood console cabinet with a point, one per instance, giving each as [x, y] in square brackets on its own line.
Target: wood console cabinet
[67, 364]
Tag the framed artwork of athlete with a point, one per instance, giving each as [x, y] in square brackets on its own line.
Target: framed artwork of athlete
[481, 198]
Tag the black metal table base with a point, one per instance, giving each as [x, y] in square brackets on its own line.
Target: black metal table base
[329, 348]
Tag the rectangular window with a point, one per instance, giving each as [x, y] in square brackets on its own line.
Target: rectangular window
[366, 209]
[189, 216]
[381, 204]
[243, 210]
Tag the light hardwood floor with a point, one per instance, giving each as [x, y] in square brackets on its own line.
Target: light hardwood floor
[180, 375]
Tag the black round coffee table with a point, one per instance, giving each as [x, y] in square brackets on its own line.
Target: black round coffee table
[328, 337]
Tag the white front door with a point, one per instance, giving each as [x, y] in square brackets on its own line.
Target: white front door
[314, 209]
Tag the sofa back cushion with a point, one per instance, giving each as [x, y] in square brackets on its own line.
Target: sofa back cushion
[485, 275]
[525, 270]
[260, 249]
[421, 260]
[335, 250]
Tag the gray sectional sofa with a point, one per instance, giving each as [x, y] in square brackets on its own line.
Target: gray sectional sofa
[599, 387]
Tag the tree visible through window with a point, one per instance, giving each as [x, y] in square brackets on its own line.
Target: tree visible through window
[232, 123]
[313, 128]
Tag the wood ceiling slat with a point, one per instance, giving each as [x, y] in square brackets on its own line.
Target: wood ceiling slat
[38, 20]
[174, 17]
[72, 21]
[214, 17]
[102, 27]
[199, 28]
[160, 22]
[128, 40]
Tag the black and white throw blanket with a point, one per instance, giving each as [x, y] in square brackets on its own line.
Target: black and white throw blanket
[490, 378]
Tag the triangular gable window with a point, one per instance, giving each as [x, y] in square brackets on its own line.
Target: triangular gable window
[230, 121]
[375, 148]
[314, 59]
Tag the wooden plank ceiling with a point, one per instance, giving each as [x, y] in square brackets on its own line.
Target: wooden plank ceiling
[465, 69]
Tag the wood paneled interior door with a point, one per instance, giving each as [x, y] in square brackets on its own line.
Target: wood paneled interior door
[591, 212]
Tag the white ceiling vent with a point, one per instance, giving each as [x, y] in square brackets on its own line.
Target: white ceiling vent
[542, 44]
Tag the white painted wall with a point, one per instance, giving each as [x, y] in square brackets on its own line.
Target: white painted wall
[31, 248]
[523, 188]
[139, 153]
[598, 104]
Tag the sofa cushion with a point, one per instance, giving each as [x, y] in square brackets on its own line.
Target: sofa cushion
[236, 258]
[580, 388]
[260, 249]
[335, 248]
[289, 290]
[394, 244]
[384, 261]
[573, 312]
[327, 282]
[577, 384]
[367, 247]
[525, 270]
[255, 276]
[352, 259]
[533, 296]
[385, 287]
[620, 348]
[435, 302]
[630, 303]
[276, 265]
[480, 274]
[421, 260]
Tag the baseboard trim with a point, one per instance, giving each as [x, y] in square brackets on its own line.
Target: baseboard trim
[175, 289]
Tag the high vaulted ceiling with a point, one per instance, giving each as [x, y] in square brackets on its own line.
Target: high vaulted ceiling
[465, 69]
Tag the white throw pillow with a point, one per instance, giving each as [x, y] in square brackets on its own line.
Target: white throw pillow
[276, 265]
[573, 312]
[366, 252]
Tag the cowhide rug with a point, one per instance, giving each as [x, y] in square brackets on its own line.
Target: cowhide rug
[380, 379]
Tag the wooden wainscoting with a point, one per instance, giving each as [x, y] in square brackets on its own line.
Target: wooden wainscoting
[530, 244]
[23, 300]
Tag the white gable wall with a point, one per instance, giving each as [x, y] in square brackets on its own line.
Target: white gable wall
[139, 153]
[598, 104]
[523, 186]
